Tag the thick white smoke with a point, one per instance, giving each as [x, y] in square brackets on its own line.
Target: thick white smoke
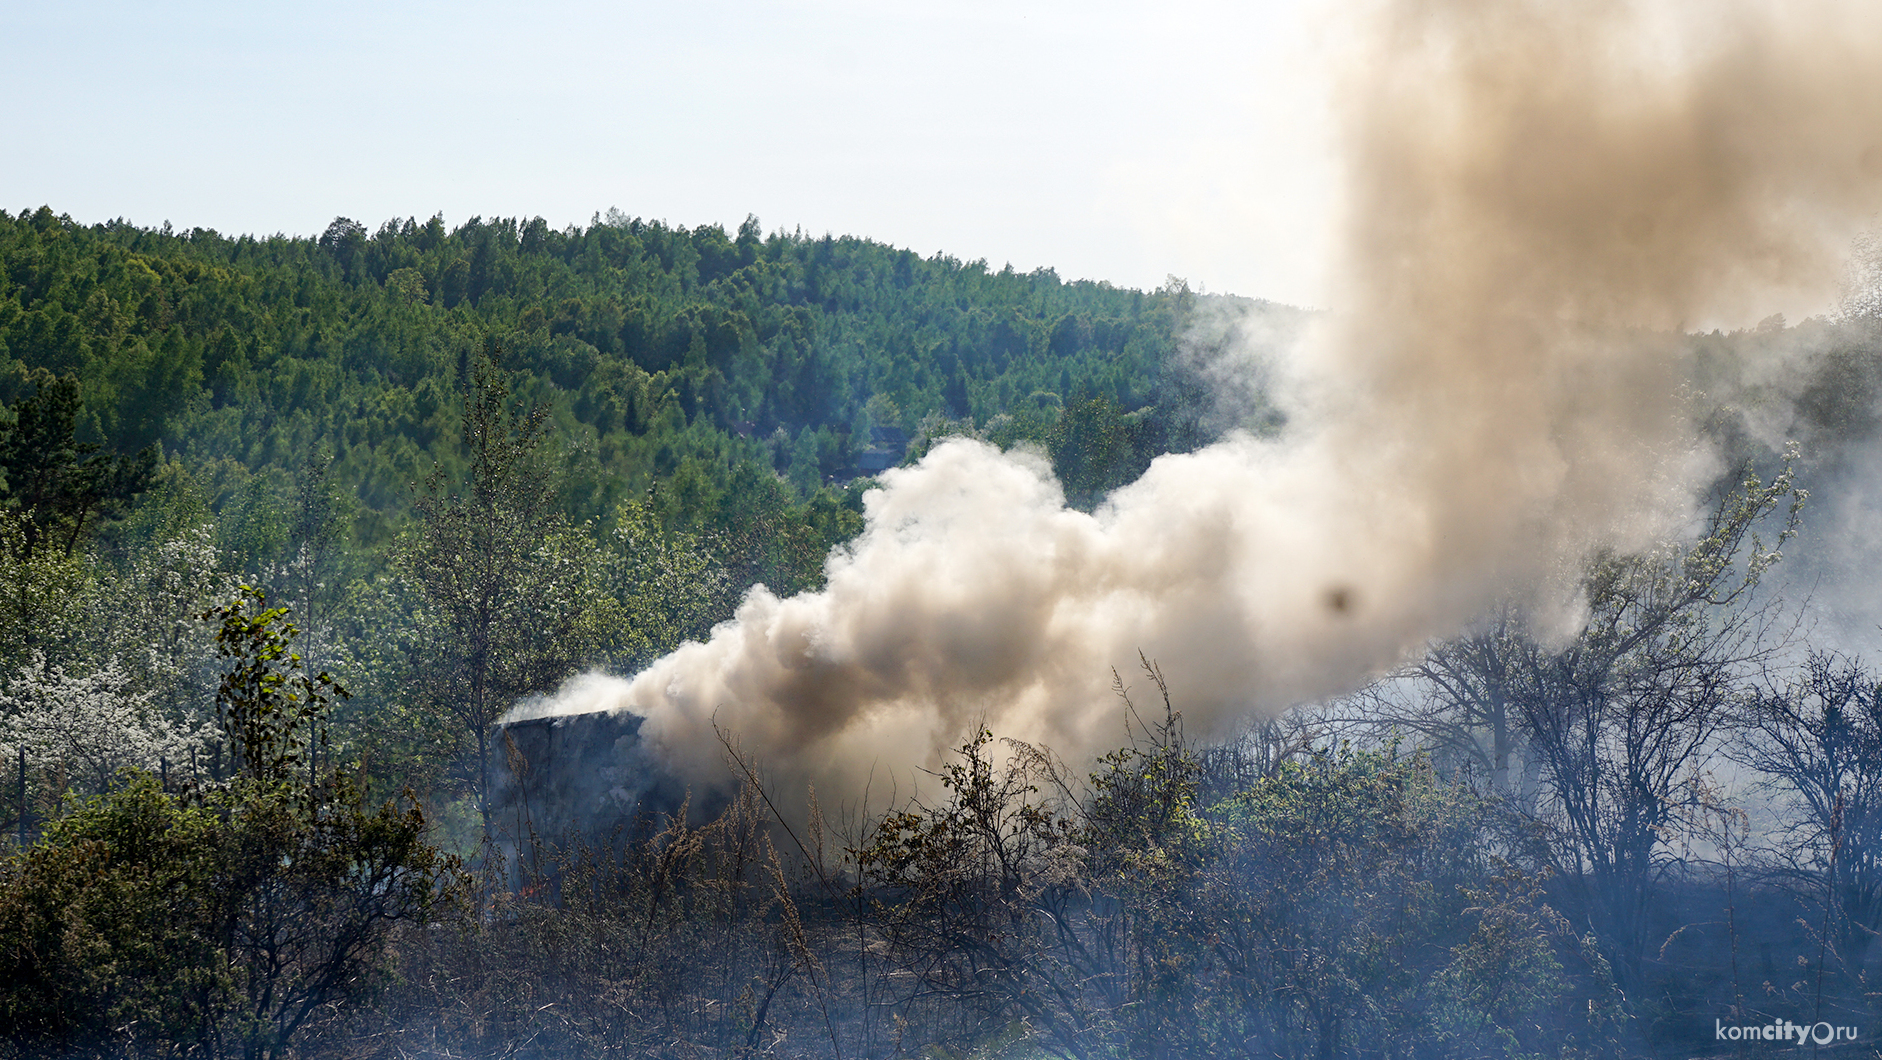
[1537, 189]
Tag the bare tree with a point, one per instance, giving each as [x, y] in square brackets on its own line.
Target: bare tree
[1471, 709]
[1619, 725]
[1818, 737]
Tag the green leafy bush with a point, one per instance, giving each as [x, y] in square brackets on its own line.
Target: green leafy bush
[220, 919]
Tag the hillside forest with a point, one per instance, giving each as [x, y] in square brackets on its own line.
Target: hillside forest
[288, 524]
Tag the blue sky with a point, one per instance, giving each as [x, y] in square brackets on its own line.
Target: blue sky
[1113, 141]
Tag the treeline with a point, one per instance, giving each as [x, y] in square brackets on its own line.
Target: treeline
[663, 353]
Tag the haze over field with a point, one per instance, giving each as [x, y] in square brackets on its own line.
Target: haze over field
[1537, 196]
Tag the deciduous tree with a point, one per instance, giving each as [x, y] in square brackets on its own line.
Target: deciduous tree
[512, 597]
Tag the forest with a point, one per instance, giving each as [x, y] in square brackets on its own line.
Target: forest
[289, 524]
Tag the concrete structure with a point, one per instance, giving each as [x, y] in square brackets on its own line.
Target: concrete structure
[575, 775]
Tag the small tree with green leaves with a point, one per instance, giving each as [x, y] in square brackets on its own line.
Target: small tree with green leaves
[226, 918]
[975, 896]
[314, 878]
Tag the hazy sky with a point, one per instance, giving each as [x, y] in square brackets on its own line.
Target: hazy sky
[1113, 141]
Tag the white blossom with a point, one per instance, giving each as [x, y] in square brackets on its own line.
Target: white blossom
[91, 725]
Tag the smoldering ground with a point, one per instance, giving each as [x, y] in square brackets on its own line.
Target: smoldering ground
[1539, 197]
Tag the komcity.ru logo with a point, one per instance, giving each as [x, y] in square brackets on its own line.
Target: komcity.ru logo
[1784, 1031]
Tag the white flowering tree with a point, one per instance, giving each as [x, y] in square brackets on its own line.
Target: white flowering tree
[90, 726]
[149, 619]
[106, 668]
[1862, 279]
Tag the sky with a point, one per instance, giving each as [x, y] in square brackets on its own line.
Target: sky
[1125, 142]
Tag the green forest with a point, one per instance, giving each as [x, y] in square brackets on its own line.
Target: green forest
[192, 413]
[288, 524]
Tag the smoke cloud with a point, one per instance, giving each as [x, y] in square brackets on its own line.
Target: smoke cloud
[1540, 194]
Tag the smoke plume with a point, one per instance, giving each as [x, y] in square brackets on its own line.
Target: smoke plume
[1540, 195]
